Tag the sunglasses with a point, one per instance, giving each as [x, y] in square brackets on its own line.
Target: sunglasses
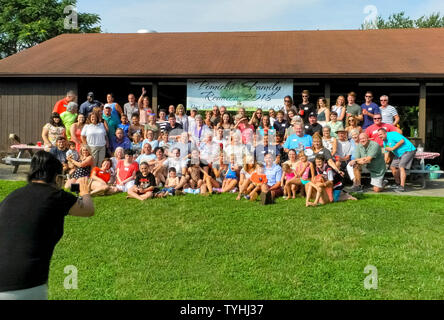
[287, 101]
[304, 96]
[377, 118]
[383, 100]
[369, 96]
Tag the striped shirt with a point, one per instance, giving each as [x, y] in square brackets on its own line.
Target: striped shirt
[388, 114]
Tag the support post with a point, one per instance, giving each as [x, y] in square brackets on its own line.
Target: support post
[422, 112]
[327, 94]
[154, 99]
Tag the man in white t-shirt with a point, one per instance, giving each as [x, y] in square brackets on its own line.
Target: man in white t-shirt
[209, 150]
[343, 151]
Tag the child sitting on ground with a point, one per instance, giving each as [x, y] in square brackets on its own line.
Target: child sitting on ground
[258, 180]
[170, 185]
[145, 184]
[303, 171]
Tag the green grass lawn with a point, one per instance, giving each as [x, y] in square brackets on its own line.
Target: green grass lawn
[194, 247]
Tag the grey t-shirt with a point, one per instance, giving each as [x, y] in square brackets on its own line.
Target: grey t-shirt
[354, 110]
[129, 110]
[377, 165]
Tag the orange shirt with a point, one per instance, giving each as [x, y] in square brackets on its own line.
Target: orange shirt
[105, 176]
[258, 178]
[60, 106]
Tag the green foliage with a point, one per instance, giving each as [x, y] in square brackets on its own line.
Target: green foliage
[25, 23]
[400, 21]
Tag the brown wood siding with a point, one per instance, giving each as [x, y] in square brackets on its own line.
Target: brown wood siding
[26, 105]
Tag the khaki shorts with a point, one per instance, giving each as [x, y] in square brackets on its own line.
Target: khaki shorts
[405, 161]
[377, 182]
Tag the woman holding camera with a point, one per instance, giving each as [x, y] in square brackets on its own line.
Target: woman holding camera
[31, 224]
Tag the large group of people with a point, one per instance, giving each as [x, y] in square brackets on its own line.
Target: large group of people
[310, 149]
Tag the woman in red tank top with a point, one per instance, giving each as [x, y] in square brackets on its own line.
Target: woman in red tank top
[76, 129]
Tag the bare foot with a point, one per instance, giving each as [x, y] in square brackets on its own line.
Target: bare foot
[238, 197]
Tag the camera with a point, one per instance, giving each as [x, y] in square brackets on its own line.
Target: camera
[75, 187]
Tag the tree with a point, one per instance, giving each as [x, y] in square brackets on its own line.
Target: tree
[400, 20]
[25, 23]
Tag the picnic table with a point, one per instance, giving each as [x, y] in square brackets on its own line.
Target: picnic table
[20, 159]
[419, 169]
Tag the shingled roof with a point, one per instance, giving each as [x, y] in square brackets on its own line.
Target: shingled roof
[371, 53]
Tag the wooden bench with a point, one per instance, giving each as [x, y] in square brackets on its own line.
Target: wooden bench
[422, 173]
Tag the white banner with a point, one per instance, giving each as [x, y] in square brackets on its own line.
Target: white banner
[203, 94]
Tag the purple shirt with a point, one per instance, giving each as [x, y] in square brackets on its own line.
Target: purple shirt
[125, 143]
[372, 108]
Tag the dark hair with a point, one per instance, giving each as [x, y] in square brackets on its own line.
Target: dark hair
[104, 160]
[135, 114]
[289, 97]
[71, 143]
[128, 152]
[334, 113]
[62, 138]
[171, 115]
[52, 122]
[172, 169]
[320, 157]
[157, 149]
[44, 166]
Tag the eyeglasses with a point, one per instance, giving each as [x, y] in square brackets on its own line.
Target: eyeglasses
[287, 101]
[383, 100]
[369, 96]
[377, 118]
[304, 96]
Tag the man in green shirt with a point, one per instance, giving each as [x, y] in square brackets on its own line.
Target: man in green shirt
[368, 153]
[354, 109]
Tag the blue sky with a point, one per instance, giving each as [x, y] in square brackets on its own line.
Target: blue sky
[246, 15]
